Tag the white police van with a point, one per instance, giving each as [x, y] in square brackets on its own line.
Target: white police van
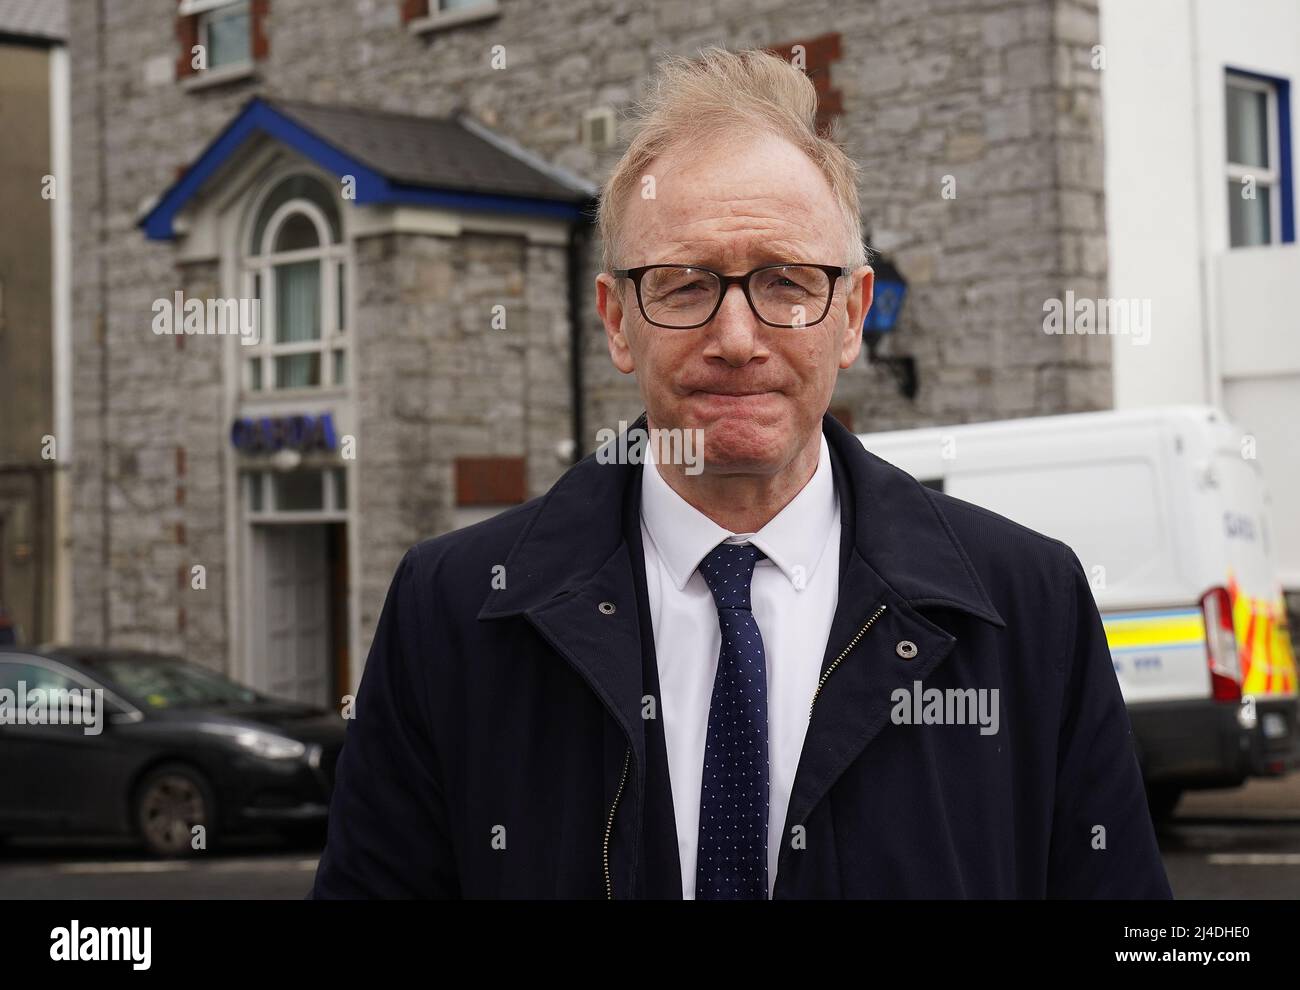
[1166, 510]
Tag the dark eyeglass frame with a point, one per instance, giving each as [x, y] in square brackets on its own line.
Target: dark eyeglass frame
[832, 272]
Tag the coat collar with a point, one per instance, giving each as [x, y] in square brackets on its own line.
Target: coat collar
[572, 575]
[894, 524]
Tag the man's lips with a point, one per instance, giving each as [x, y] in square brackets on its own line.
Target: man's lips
[733, 393]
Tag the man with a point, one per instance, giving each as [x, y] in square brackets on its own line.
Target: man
[715, 677]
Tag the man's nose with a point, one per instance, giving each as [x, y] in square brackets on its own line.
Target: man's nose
[735, 328]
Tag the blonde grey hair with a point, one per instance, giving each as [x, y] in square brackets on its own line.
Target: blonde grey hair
[719, 91]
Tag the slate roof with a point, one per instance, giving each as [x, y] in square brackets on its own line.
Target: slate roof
[46, 19]
[395, 158]
[440, 153]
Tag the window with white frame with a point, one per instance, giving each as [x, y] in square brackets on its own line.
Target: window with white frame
[225, 30]
[437, 15]
[271, 495]
[296, 268]
[1254, 175]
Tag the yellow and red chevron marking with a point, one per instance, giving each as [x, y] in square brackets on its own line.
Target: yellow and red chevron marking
[1263, 643]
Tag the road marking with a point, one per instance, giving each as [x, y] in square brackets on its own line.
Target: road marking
[188, 865]
[260, 865]
[1254, 859]
[163, 866]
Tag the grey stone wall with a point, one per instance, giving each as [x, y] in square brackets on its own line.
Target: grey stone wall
[996, 93]
[998, 103]
[435, 380]
[199, 426]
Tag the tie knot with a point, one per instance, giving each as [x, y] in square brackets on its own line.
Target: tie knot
[727, 570]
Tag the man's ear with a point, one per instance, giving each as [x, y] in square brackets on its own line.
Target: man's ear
[861, 286]
[609, 303]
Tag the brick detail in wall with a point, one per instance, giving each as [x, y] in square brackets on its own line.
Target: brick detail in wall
[414, 9]
[818, 54]
[187, 34]
[261, 46]
[490, 481]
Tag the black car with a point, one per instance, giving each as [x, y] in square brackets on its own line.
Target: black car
[175, 746]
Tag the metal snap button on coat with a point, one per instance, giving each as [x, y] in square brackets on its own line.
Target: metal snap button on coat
[606, 608]
[905, 649]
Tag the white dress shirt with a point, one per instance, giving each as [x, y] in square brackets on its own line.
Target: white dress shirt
[793, 595]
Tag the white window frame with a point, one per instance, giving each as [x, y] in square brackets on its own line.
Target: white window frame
[333, 502]
[442, 18]
[204, 10]
[334, 341]
[1270, 177]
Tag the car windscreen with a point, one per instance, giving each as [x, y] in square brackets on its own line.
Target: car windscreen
[172, 683]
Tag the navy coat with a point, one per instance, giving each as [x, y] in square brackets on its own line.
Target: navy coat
[499, 747]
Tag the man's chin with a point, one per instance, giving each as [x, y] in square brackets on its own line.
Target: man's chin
[736, 445]
[741, 435]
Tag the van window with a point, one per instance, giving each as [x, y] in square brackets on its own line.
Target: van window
[1108, 512]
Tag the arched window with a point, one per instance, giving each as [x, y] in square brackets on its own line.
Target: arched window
[295, 266]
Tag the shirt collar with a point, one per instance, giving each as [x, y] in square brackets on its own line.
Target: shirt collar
[794, 539]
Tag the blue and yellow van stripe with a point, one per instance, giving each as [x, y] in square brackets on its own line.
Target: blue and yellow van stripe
[1158, 629]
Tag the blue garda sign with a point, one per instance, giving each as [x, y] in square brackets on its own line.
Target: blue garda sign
[268, 434]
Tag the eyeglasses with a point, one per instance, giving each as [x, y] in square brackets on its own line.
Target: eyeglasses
[683, 297]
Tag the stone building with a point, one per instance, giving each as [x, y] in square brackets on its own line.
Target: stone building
[403, 185]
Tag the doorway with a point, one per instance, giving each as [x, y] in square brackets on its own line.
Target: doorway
[300, 612]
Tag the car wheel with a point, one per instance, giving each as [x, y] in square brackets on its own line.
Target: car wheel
[169, 803]
[1162, 799]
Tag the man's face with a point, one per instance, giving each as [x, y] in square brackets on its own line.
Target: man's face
[757, 392]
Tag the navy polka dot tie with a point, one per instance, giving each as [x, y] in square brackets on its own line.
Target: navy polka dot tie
[732, 856]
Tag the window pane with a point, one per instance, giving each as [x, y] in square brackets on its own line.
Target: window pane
[297, 370]
[296, 233]
[340, 367]
[297, 491]
[12, 674]
[340, 277]
[296, 187]
[1247, 116]
[34, 677]
[297, 302]
[255, 374]
[1249, 220]
[228, 39]
[254, 491]
[259, 312]
[340, 488]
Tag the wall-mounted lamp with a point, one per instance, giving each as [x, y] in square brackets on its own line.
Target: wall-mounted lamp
[888, 296]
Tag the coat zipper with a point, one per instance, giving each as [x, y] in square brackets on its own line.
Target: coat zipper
[852, 643]
[627, 757]
[609, 825]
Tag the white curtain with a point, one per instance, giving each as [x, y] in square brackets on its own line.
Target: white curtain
[297, 318]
